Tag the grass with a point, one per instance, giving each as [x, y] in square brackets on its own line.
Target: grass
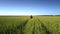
[25, 25]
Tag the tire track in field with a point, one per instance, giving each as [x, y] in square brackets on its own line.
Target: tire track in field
[34, 26]
[44, 27]
[33, 29]
[37, 25]
[29, 28]
[22, 26]
[38, 28]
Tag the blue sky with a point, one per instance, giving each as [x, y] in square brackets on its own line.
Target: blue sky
[29, 7]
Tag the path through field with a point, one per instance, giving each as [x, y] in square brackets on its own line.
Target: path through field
[35, 26]
[24, 25]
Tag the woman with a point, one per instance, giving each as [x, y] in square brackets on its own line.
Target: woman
[31, 17]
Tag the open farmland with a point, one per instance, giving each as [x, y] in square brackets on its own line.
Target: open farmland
[25, 25]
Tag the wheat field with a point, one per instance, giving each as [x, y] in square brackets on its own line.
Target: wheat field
[25, 25]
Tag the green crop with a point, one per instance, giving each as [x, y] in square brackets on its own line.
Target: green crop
[25, 25]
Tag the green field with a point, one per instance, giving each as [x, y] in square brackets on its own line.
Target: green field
[25, 25]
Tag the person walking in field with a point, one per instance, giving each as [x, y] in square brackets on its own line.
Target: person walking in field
[31, 17]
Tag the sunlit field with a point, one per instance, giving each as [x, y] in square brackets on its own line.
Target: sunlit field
[26, 25]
